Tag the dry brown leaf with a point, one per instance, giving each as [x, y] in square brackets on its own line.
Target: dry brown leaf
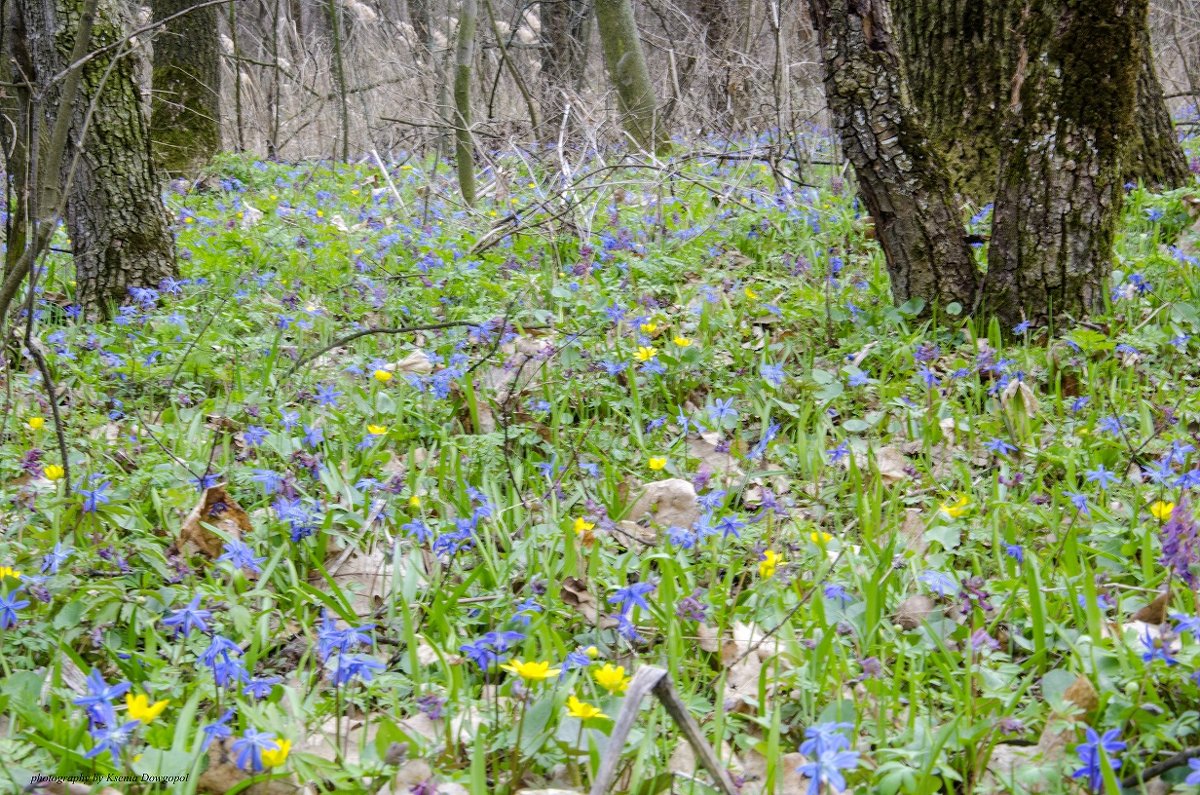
[912, 531]
[705, 449]
[366, 577]
[914, 611]
[1018, 389]
[670, 502]
[575, 594]
[416, 362]
[1082, 694]
[218, 510]
[892, 465]
[1156, 611]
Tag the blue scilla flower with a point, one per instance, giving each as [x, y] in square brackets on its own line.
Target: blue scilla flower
[1089, 755]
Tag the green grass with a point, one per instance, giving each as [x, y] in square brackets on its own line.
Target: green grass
[863, 456]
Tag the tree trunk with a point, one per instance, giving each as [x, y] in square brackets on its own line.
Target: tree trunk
[626, 65]
[115, 215]
[421, 20]
[563, 23]
[901, 179]
[1059, 194]
[960, 57]
[185, 118]
[464, 142]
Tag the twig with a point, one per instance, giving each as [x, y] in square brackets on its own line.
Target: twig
[1154, 771]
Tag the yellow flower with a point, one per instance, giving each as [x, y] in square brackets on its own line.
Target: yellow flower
[383, 376]
[657, 463]
[531, 671]
[751, 294]
[9, 571]
[649, 328]
[612, 678]
[320, 213]
[1162, 510]
[37, 423]
[820, 537]
[414, 501]
[141, 709]
[771, 560]
[53, 472]
[582, 525]
[582, 710]
[377, 430]
[645, 354]
[957, 509]
[682, 342]
[592, 652]
[278, 756]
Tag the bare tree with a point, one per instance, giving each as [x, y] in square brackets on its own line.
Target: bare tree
[185, 119]
[114, 212]
[626, 64]
[464, 146]
[1073, 90]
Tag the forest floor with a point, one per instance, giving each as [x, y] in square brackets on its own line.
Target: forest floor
[676, 424]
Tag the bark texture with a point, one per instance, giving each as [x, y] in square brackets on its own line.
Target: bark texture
[464, 142]
[901, 179]
[1072, 107]
[626, 64]
[114, 212]
[960, 57]
[185, 118]
[564, 24]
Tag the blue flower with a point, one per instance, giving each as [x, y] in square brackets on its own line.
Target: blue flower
[254, 435]
[1156, 649]
[217, 730]
[55, 558]
[838, 453]
[999, 446]
[94, 498]
[1100, 475]
[1015, 552]
[9, 605]
[1089, 755]
[1189, 624]
[939, 582]
[249, 748]
[189, 617]
[241, 556]
[269, 479]
[261, 687]
[722, 410]
[327, 395]
[1193, 778]
[313, 435]
[773, 374]
[330, 639]
[346, 667]
[100, 691]
[632, 596]
[827, 769]
[111, 737]
[1079, 501]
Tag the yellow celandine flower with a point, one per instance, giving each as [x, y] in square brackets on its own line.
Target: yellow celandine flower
[530, 671]
[141, 709]
[583, 710]
[682, 342]
[414, 501]
[657, 463]
[37, 423]
[751, 294]
[377, 430]
[957, 509]
[582, 525]
[612, 678]
[820, 537]
[1162, 510]
[649, 328]
[592, 652]
[383, 376]
[771, 560]
[278, 756]
[9, 571]
[53, 472]
[645, 354]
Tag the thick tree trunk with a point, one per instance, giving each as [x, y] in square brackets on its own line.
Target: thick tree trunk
[626, 65]
[563, 24]
[464, 142]
[900, 177]
[115, 215]
[960, 57]
[185, 118]
[1071, 111]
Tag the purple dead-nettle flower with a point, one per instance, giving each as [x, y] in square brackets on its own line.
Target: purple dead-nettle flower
[190, 616]
[982, 641]
[1180, 542]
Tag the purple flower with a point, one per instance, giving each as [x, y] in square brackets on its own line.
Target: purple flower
[1180, 544]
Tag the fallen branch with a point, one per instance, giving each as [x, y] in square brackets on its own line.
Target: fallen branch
[1154, 771]
[652, 679]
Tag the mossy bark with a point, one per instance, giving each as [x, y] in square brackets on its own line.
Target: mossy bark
[464, 141]
[1072, 105]
[185, 118]
[626, 64]
[960, 57]
[120, 236]
[900, 176]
